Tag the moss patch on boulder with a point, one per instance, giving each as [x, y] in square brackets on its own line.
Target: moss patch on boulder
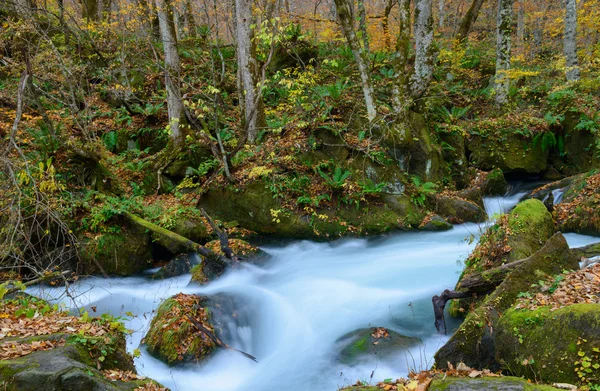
[371, 342]
[172, 338]
[510, 153]
[557, 346]
[485, 384]
[124, 253]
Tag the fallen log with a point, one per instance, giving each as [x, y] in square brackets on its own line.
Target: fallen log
[38, 280]
[439, 304]
[471, 285]
[208, 254]
[223, 237]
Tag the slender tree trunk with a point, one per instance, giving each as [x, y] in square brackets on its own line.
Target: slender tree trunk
[90, 10]
[362, 17]
[570, 41]
[538, 30]
[521, 26]
[344, 14]
[441, 13]
[424, 53]
[190, 21]
[503, 50]
[248, 68]
[385, 22]
[469, 20]
[172, 69]
[401, 78]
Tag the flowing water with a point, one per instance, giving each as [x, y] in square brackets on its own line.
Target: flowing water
[292, 310]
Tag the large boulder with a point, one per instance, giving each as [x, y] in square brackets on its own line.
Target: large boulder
[45, 349]
[487, 384]
[459, 210]
[64, 368]
[173, 338]
[473, 343]
[207, 271]
[512, 154]
[124, 253]
[579, 209]
[374, 341]
[557, 346]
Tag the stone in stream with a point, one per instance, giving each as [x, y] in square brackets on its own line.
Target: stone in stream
[172, 338]
[486, 384]
[181, 264]
[374, 341]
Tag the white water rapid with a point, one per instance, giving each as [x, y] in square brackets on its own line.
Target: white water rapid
[292, 310]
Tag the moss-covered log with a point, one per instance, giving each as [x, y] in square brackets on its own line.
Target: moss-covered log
[161, 234]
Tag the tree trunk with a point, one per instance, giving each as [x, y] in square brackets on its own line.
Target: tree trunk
[424, 53]
[362, 18]
[570, 41]
[401, 95]
[385, 23]
[503, 31]
[172, 69]
[441, 13]
[469, 20]
[90, 10]
[248, 68]
[344, 14]
[521, 26]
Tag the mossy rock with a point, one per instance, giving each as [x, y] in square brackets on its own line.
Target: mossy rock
[409, 142]
[180, 265]
[253, 207]
[206, 271]
[411, 215]
[455, 155]
[524, 231]
[172, 338]
[486, 383]
[124, 253]
[361, 344]
[557, 346]
[579, 210]
[473, 342]
[435, 223]
[65, 368]
[512, 154]
[458, 210]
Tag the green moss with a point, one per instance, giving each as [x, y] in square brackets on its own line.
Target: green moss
[172, 338]
[486, 383]
[552, 343]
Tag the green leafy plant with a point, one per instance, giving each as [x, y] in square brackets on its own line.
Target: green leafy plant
[337, 179]
[422, 190]
[369, 187]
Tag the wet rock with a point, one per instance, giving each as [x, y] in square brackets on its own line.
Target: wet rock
[435, 223]
[485, 384]
[181, 264]
[172, 337]
[457, 210]
[58, 369]
[512, 154]
[556, 346]
[207, 271]
[124, 253]
[473, 343]
[371, 342]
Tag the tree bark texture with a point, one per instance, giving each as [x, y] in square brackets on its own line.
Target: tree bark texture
[469, 20]
[248, 68]
[503, 50]
[424, 53]
[570, 41]
[172, 68]
[344, 14]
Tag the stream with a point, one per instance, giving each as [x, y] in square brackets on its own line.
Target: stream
[292, 310]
